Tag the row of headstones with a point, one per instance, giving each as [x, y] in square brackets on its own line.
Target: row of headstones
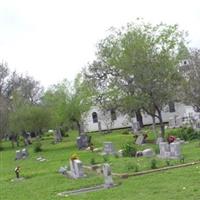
[21, 154]
[76, 171]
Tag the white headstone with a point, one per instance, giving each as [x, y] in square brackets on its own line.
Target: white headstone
[107, 175]
[148, 153]
[24, 153]
[159, 139]
[164, 149]
[175, 149]
[140, 140]
[76, 168]
[18, 155]
[109, 148]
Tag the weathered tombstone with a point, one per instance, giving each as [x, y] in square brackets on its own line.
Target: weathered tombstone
[58, 136]
[99, 126]
[107, 176]
[82, 141]
[172, 122]
[179, 122]
[24, 153]
[140, 139]
[135, 127]
[148, 153]
[175, 149]
[109, 148]
[159, 139]
[76, 168]
[164, 149]
[18, 155]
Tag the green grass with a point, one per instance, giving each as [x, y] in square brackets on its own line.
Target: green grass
[43, 182]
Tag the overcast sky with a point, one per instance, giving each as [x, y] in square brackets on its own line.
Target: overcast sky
[54, 39]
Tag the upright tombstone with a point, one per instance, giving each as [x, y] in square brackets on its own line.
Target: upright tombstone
[135, 127]
[175, 149]
[159, 140]
[108, 148]
[82, 141]
[18, 155]
[58, 136]
[164, 149]
[76, 169]
[179, 122]
[172, 122]
[140, 139]
[107, 176]
[24, 153]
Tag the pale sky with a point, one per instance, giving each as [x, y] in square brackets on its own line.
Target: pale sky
[54, 39]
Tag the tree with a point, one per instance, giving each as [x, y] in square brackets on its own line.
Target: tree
[68, 103]
[140, 62]
[190, 70]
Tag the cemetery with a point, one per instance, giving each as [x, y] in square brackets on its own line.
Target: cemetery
[68, 170]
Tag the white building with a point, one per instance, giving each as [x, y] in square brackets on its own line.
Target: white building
[96, 120]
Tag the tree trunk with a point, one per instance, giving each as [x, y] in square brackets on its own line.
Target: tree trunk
[162, 126]
[154, 125]
[139, 118]
[79, 127]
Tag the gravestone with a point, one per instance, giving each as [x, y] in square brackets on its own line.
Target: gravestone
[171, 150]
[175, 149]
[18, 155]
[24, 153]
[76, 168]
[58, 136]
[108, 148]
[172, 122]
[158, 140]
[82, 141]
[179, 122]
[164, 149]
[135, 127]
[140, 139]
[148, 153]
[107, 176]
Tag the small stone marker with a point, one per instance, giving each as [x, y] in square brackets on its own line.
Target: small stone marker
[24, 153]
[82, 141]
[58, 136]
[107, 176]
[109, 148]
[140, 140]
[148, 153]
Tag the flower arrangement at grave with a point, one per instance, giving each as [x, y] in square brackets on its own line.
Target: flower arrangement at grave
[74, 157]
[171, 139]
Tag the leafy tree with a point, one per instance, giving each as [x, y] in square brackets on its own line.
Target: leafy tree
[68, 103]
[191, 73]
[140, 62]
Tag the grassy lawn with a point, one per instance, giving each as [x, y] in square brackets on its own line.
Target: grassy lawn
[43, 182]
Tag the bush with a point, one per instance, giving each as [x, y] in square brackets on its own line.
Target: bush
[132, 167]
[129, 150]
[105, 158]
[184, 133]
[92, 161]
[153, 164]
[37, 146]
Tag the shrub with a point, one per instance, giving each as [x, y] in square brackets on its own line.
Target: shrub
[129, 150]
[37, 146]
[167, 162]
[153, 164]
[92, 161]
[105, 158]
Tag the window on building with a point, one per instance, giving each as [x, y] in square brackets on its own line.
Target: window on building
[94, 117]
[113, 114]
[171, 107]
